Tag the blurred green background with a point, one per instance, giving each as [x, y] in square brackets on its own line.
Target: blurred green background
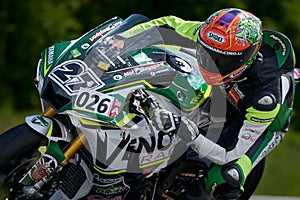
[28, 27]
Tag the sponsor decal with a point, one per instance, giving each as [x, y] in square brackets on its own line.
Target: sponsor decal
[237, 73]
[107, 180]
[107, 188]
[159, 71]
[129, 73]
[197, 98]
[229, 53]
[235, 95]
[248, 136]
[105, 30]
[39, 120]
[149, 148]
[73, 75]
[85, 45]
[216, 37]
[253, 131]
[156, 156]
[145, 68]
[99, 197]
[117, 77]
[115, 108]
[261, 120]
[103, 65]
[50, 56]
[98, 103]
[274, 37]
[112, 189]
[75, 53]
[277, 138]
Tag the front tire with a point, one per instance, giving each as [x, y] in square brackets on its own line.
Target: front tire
[19, 151]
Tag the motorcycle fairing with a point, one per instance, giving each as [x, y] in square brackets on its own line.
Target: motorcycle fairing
[184, 87]
[117, 151]
[67, 50]
[92, 80]
[40, 124]
[116, 61]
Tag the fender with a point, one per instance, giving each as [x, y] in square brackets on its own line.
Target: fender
[40, 124]
[51, 128]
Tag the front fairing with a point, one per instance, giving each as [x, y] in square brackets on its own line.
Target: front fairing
[116, 61]
[52, 57]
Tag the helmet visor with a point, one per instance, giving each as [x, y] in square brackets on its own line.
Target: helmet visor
[221, 62]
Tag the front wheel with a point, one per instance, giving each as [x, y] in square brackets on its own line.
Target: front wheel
[19, 151]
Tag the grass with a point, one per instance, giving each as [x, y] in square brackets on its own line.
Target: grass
[281, 177]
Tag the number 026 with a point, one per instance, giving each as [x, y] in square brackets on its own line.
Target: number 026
[94, 102]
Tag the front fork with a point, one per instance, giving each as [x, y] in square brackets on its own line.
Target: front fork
[49, 164]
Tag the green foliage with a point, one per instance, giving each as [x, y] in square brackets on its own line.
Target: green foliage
[281, 176]
[28, 28]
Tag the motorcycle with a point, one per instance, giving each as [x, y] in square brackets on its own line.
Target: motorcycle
[95, 141]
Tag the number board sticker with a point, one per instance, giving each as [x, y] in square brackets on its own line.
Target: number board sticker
[74, 75]
[98, 103]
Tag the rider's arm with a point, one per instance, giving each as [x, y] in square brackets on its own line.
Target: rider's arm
[260, 113]
[244, 130]
[251, 129]
[185, 28]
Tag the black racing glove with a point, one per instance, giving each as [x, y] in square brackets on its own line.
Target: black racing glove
[170, 123]
[164, 120]
[141, 102]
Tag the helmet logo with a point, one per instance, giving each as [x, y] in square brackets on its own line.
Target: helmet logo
[215, 37]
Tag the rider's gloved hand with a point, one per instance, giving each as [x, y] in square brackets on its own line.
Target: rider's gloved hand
[141, 102]
[170, 123]
[164, 120]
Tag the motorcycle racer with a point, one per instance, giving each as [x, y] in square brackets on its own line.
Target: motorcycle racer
[252, 72]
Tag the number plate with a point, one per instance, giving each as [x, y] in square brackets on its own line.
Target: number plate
[97, 103]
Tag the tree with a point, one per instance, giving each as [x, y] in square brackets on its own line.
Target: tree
[28, 29]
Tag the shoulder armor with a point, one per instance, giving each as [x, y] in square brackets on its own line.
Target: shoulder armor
[282, 46]
[265, 102]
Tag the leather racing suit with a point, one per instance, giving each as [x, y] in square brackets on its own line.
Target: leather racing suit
[254, 111]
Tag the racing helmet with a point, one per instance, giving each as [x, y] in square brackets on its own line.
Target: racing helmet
[228, 42]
